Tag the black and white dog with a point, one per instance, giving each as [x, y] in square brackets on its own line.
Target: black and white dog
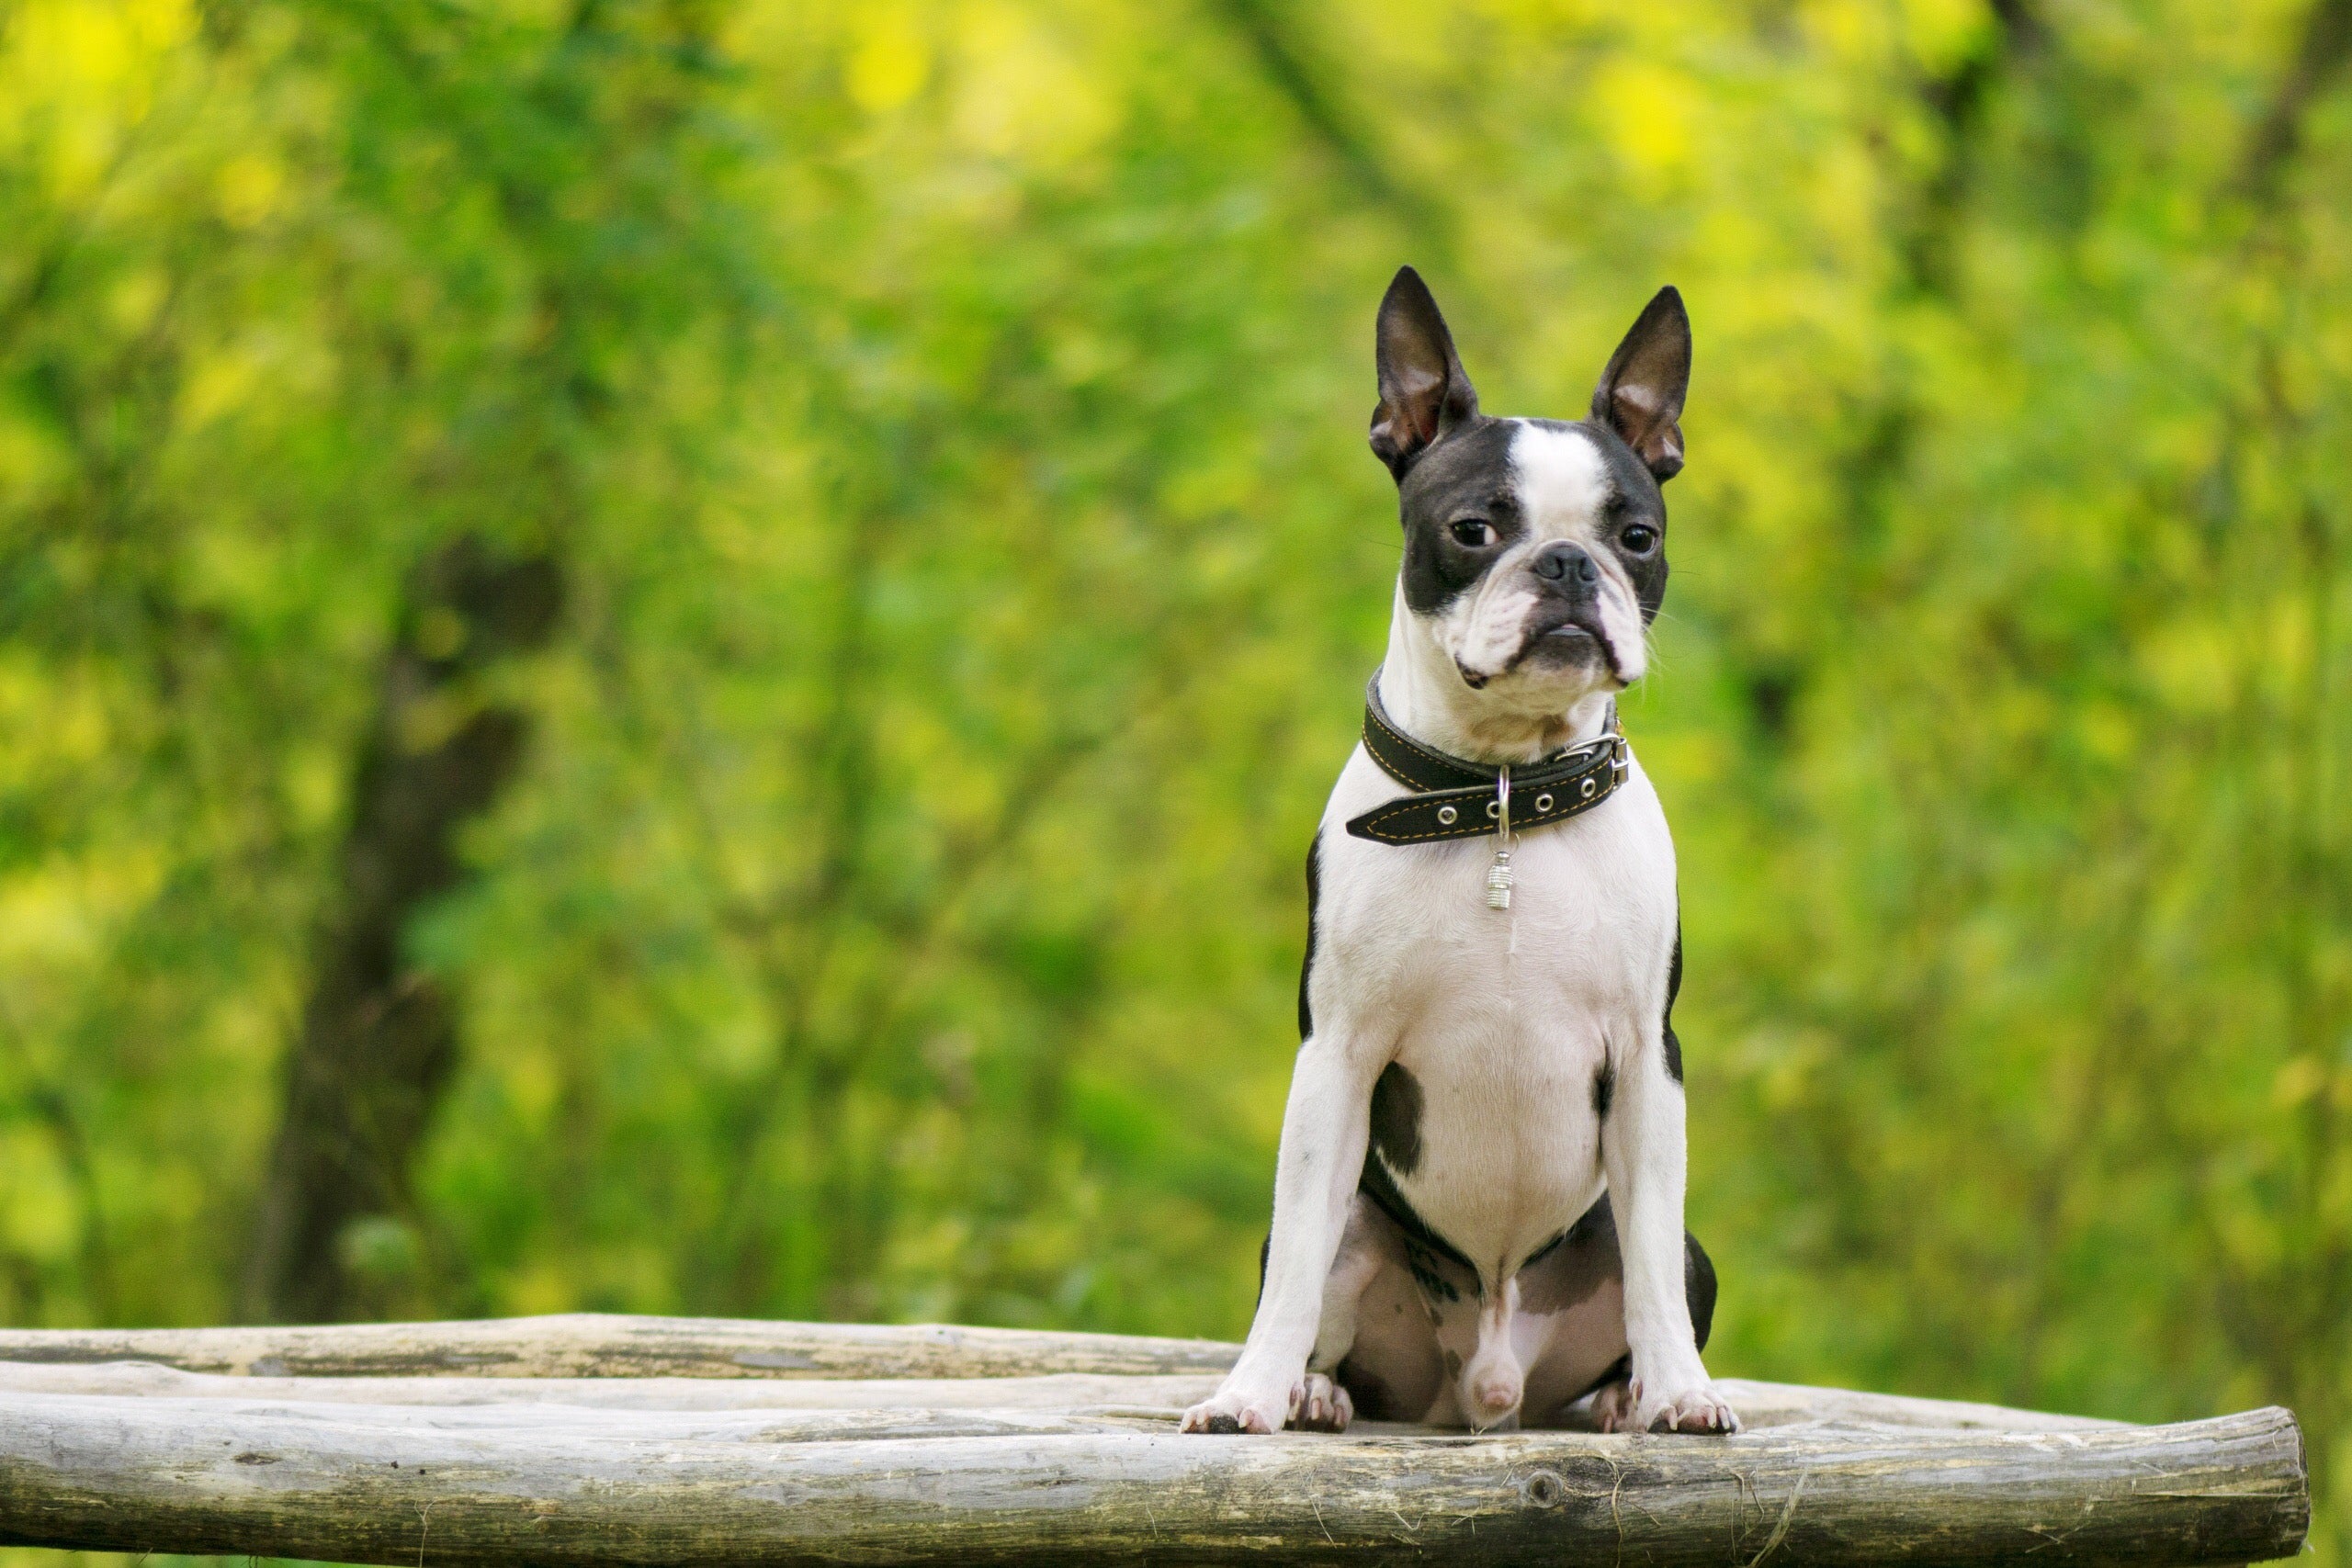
[1478, 1201]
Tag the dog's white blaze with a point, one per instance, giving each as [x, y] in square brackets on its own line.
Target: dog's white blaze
[1562, 480]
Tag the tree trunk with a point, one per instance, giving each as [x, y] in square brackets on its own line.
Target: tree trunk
[378, 1036]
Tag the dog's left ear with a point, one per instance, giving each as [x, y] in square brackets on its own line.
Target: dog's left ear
[1640, 395]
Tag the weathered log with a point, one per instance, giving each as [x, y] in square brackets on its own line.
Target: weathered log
[1167, 1393]
[572, 1439]
[528, 1421]
[524, 1353]
[604, 1344]
[1761, 1405]
[501, 1484]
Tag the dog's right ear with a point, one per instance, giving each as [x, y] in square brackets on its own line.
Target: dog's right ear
[1423, 393]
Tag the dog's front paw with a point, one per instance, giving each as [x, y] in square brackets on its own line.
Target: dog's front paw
[1234, 1409]
[1314, 1403]
[1694, 1407]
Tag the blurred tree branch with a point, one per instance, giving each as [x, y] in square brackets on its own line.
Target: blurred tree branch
[2323, 48]
[1271, 30]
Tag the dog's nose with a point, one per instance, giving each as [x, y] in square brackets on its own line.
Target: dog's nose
[1564, 562]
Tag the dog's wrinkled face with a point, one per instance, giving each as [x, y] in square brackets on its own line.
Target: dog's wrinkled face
[1535, 549]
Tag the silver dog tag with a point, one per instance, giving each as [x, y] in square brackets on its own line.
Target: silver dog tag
[1499, 881]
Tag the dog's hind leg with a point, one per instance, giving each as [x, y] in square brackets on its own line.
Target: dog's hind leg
[1363, 1254]
[1572, 1313]
[1390, 1363]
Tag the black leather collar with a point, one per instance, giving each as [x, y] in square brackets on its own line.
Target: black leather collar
[1457, 799]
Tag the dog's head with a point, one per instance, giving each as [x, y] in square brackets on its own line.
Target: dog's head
[1535, 549]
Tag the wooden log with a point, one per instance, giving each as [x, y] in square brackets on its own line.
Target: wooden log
[595, 1345]
[1766, 1404]
[1761, 1405]
[606, 1344]
[1169, 1394]
[344, 1482]
[528, 1421]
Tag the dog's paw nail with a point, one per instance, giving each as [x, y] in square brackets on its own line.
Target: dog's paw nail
[1217, 1417]
[1696, 1413]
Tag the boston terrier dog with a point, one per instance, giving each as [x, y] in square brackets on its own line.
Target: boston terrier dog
[1478, 1201]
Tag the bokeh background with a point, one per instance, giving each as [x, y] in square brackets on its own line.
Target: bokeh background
[677, 655]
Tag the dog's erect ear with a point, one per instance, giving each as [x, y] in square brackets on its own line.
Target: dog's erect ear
[1423, 393]
[1640, 395]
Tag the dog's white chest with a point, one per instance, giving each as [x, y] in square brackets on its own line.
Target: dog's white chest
[1506, 1022]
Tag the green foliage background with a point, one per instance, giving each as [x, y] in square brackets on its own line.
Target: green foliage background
[950, 417]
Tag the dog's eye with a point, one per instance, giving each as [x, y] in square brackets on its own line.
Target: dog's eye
[1641, 538]
[1472, 534]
